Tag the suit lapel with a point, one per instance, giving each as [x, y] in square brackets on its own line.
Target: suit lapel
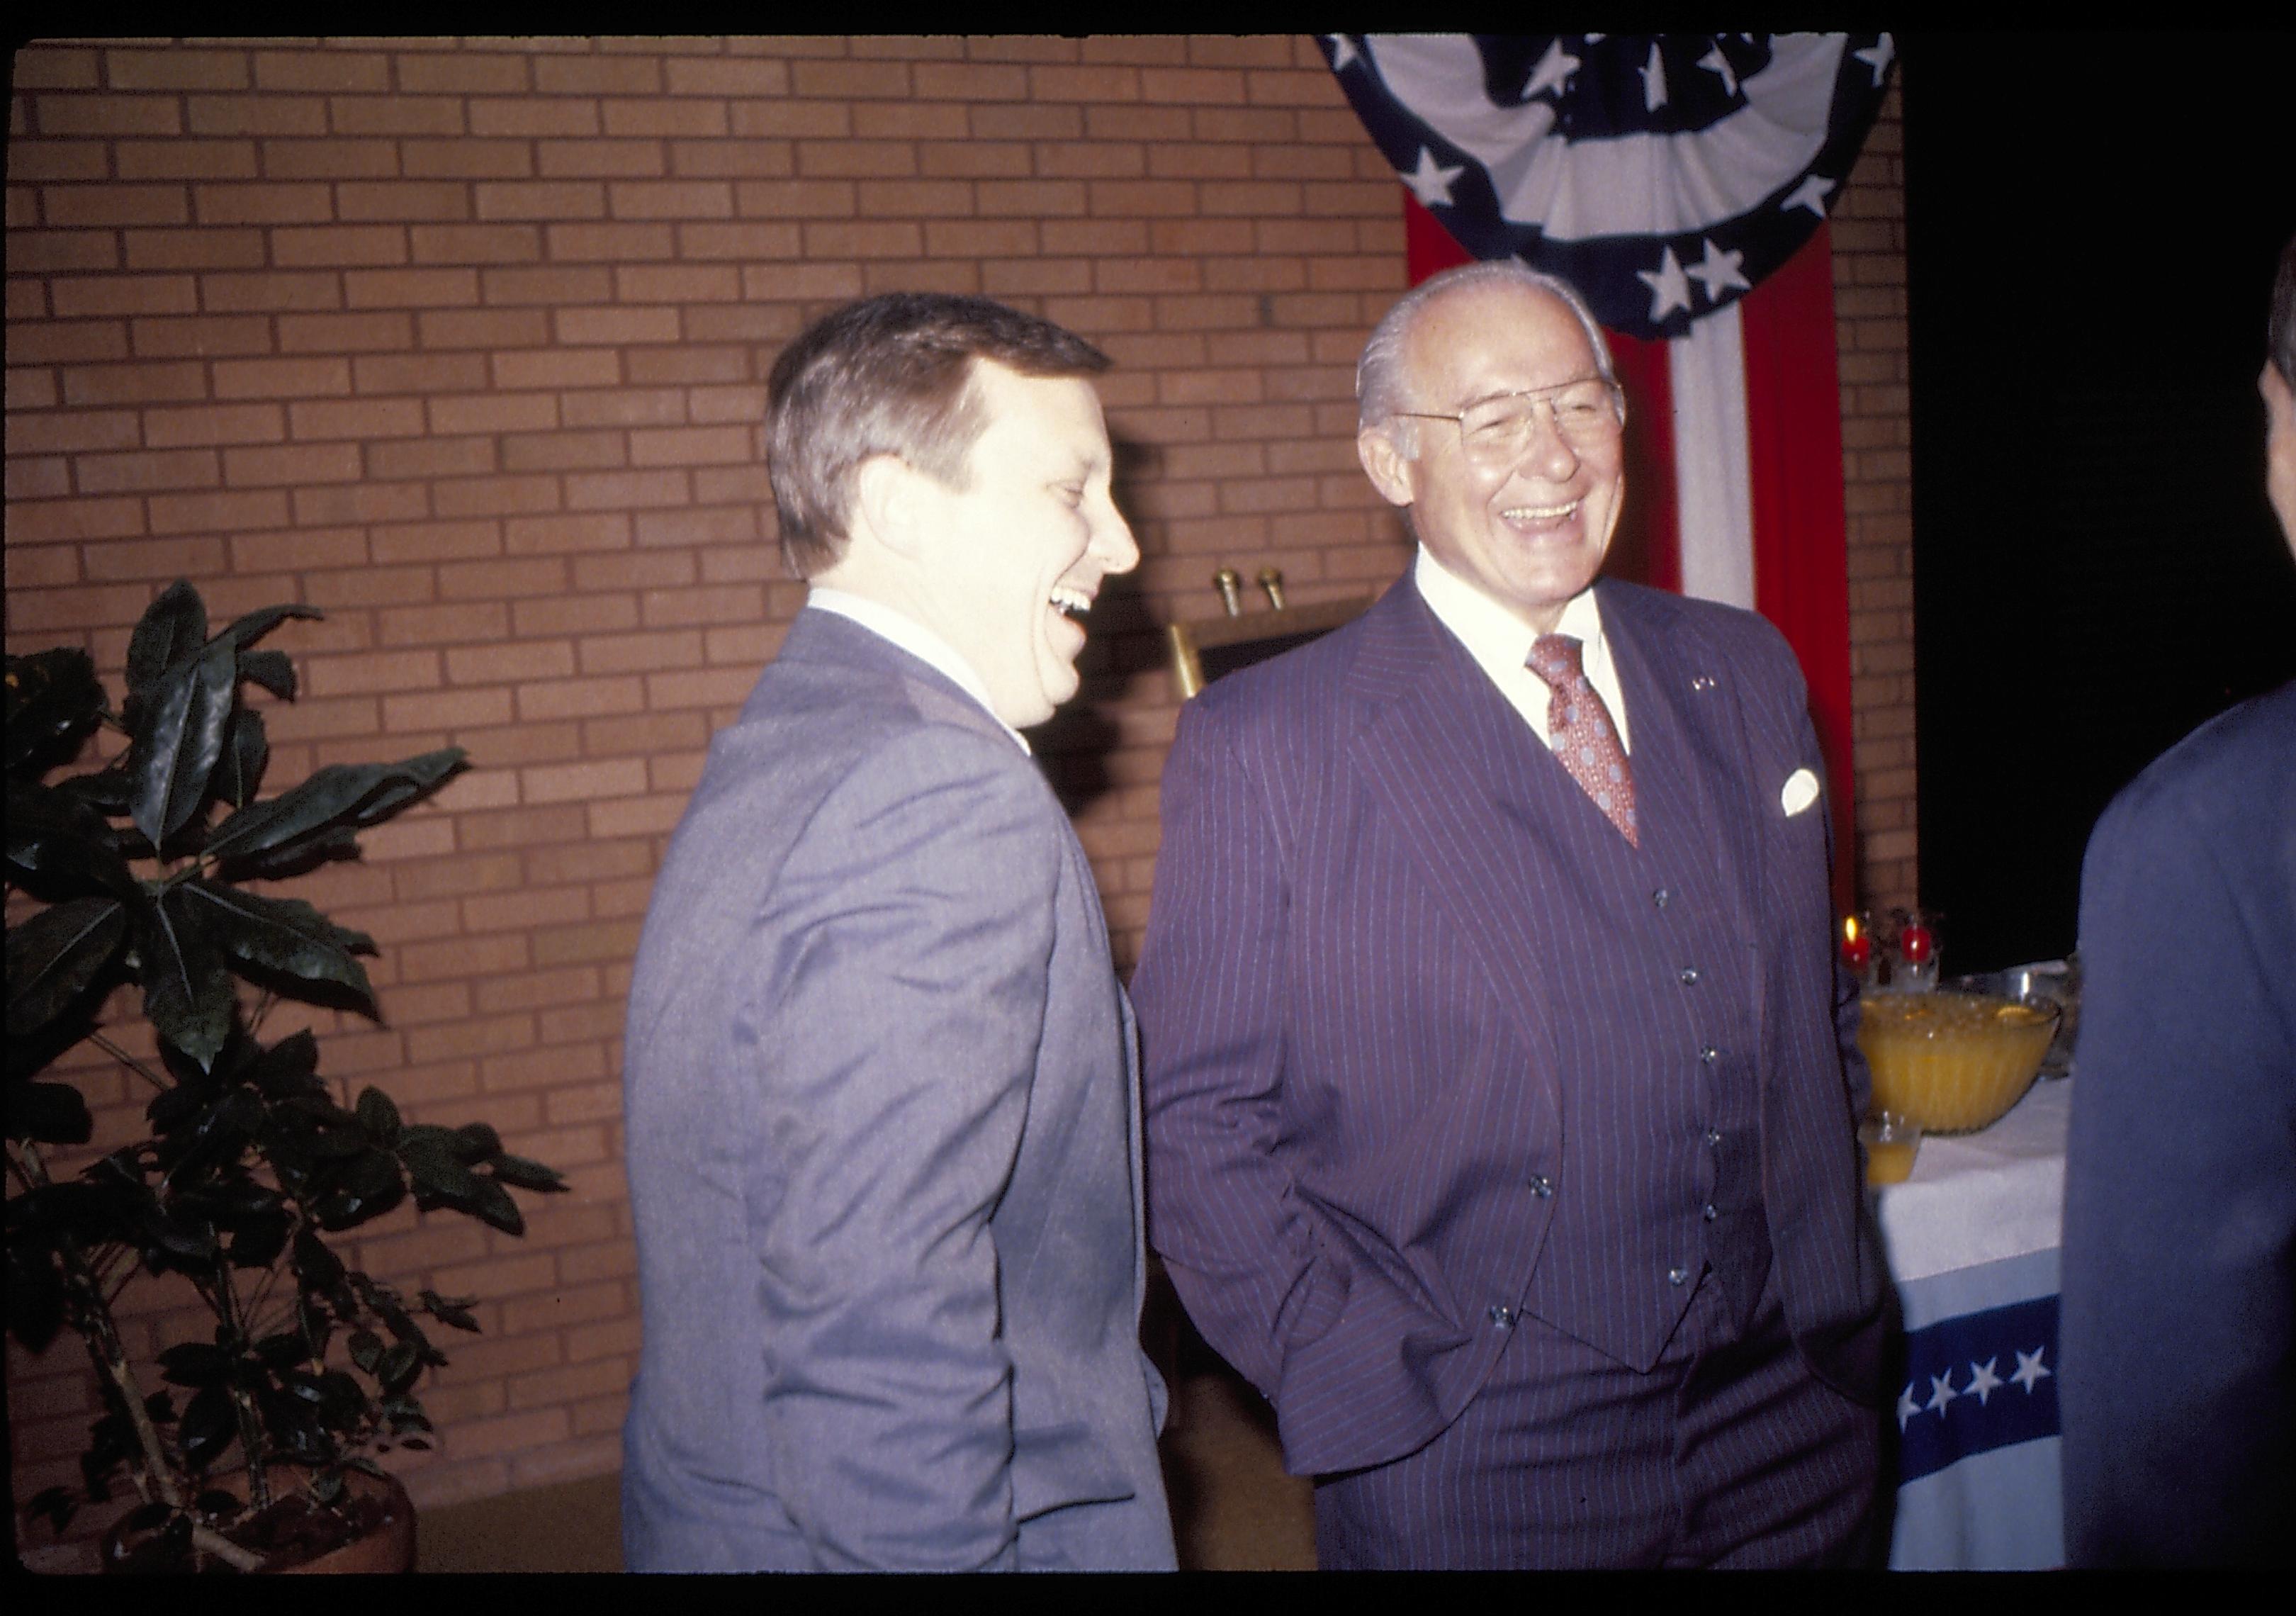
[1693, 767]
[1446, 757]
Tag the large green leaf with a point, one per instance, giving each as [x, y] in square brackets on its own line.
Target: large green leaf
[195, 1365]
[340, 796]
[187, 985]
[429, 1154]
[107, 790]
[258, 1241]
[53, 956]
[215, 1140]
[492, 1204]
[378, 1116]
[372, 1184]
[91, 1213]
[271, 670]
[36, 1295]
[211, 1426]
[246, 753]
[178, 740]
[53, 700]
[284, 934]
[246, 630]
[49, 1114]
[62, 845]
[171, 630]
[527, 1175]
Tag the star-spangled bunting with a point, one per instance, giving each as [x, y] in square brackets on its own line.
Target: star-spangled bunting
[1955, 1401]
[1662, 175]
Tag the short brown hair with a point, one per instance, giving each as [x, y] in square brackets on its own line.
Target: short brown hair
[890, 375]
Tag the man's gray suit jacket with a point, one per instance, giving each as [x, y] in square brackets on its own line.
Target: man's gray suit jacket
[883, 1153]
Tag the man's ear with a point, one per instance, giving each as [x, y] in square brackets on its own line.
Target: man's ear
[891, 501]
[1385, 464]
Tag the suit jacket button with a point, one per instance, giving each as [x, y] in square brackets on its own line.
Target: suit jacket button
[1690, 976]
[1541, 1186]
[1661, 897]
[1502, 1316]
[1709, 1054]
[1713, 1136]
[1677, 1277]
[1708, 1213]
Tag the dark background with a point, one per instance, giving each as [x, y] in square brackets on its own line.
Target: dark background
[2092, 225]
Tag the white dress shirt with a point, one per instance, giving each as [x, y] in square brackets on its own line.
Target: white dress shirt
[1500, 642]
[913, 637]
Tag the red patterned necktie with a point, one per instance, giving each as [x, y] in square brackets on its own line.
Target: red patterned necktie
[1584, 739]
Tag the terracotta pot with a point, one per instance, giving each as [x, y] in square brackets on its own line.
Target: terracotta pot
[387, 1548]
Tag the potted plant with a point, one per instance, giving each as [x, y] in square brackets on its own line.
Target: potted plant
[251, 1163]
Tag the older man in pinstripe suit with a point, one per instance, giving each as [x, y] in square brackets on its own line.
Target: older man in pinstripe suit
[1501, 1095]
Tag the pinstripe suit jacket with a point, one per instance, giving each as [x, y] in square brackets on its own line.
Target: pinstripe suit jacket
[1374, 988]
[883, 1153]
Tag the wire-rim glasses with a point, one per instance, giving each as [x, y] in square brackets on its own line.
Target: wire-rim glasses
[1497, 432]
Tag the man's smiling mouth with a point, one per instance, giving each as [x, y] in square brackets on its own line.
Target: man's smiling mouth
[1071, 602]
[1541, 512]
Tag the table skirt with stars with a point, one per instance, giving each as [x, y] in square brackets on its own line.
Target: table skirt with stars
[1972, 1240]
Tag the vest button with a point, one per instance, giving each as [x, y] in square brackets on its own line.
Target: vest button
[1501, 1316]
[1661, 897]
[1708, 1213]
[1690, 976]
[1709, 1054]
[1713, 1136]
[1541, 1186]
[1677, 1277]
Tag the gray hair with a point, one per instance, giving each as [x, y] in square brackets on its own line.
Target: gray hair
[1379, 391]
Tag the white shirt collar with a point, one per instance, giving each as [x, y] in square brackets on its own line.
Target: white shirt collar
[1500, 642]
[913, 637]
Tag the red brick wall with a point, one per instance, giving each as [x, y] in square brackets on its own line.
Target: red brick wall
[1869, 231]
[464, 343]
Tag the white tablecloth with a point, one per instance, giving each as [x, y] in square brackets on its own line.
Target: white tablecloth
[1972, 1237]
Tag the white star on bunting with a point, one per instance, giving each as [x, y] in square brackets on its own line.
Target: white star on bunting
[1879, 57]
[1653, 83]
[1811, 193]
[2030, 1370]
[1906, 1407]
[1983, 1380]
[1553, 72]
[1429, 184]
[1720, 272]
[1343, 51]
[1670, 286]
[1715, 62]
[1941, 1392]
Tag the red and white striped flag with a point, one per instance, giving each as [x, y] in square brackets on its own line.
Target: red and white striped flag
[1681, 182]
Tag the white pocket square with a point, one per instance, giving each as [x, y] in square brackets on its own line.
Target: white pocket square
[1800, 792]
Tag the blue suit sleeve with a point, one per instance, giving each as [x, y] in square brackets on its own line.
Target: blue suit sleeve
[2178, 1329]
[900, 994]
[1213, 998]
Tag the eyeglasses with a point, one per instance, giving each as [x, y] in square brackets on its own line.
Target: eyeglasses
[1498, 431]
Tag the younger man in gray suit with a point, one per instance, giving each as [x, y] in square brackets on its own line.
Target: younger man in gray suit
[883, 1148]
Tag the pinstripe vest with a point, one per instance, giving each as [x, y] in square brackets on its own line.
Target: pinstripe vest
[1661, 1162]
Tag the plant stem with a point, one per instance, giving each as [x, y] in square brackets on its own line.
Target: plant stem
[128, 1060]
[251, 1429]
[96, 1327]
[208, 1541]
